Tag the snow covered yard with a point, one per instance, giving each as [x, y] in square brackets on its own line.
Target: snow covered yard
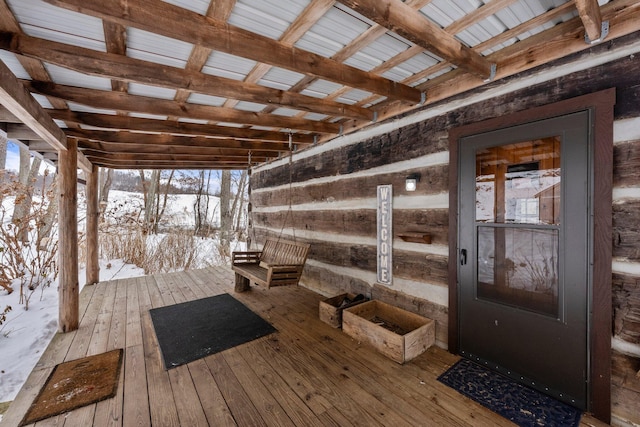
[25, 334]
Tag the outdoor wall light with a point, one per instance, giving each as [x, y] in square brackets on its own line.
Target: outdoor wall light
[411, 183]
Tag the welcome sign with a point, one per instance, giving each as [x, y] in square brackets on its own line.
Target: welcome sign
[385, 236]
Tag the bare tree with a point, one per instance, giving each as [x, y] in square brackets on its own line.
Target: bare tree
[106, 179]
[51, 214]
[3, 150]
[238, 201]
[159, 210]
[149, 192]
[26, 176]
[201, 204]
[226, 218]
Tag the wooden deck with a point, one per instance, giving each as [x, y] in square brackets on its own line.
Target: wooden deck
[306, 374]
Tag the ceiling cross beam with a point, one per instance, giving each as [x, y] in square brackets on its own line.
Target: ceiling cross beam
[116, 123]
[176, 22]
[412, 25]
[135, 70]
[108, 100]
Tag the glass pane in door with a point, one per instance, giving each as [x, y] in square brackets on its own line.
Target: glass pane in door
[517, 224]
[519, 183]
[519, 267]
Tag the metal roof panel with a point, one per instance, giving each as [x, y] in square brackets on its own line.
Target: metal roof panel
[38, 19]
[157, 48]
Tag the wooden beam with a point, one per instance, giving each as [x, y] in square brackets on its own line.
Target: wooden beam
[220, 10]
[93, 212]
[165, 141]
[170, 165]
[68, 318]
[128, 69]
[483, 12]
[108, 121]
[7, 117]
[108, 100]
[131, 148]
[115, 36]
[415, 27]
[589, 11]
[23, 106]
[164, 157]
[179, 23]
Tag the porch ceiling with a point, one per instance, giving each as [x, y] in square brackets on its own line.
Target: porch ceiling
[225, 84]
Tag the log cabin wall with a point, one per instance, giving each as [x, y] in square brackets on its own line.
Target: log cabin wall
[332, 190]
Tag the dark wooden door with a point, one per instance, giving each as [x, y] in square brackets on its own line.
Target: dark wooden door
[524, 269]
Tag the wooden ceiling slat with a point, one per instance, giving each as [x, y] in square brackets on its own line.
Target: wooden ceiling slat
[173, 21]
[142, 104]
[135, 70]
[412, 25]
[108, 121]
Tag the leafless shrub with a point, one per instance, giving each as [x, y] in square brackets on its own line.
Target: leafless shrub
[27, 251]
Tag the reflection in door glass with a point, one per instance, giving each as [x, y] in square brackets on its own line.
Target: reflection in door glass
[519, 183]
[519, 267]
[517, 187]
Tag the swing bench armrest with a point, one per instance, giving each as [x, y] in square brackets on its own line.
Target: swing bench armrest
[246, 257]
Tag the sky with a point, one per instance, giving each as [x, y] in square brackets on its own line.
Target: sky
[13, 157]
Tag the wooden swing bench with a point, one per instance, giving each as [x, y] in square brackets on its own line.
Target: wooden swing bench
[279, 263]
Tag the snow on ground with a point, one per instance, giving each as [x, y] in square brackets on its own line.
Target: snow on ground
[26, 333]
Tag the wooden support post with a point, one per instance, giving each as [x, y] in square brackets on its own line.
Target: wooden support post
[68, 317]
[93, 266]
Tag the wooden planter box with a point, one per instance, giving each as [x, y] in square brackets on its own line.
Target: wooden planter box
[330, 310]
[396, 333]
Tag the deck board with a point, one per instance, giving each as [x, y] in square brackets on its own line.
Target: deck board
[307, 373]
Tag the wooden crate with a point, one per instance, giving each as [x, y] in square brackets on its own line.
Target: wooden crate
[396, 333]
[330, 310]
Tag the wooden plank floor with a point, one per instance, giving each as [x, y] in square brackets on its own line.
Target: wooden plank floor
[306, 374]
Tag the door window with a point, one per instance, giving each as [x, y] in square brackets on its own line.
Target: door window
[517, 205]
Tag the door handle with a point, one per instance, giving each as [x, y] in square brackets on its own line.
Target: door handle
[463, 257]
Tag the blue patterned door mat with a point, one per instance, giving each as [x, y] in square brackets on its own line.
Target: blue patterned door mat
[516, 402]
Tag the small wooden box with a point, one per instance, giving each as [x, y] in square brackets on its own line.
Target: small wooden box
[331, 308]
[396, 333]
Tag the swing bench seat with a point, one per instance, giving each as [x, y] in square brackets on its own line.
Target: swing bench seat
[279, 263]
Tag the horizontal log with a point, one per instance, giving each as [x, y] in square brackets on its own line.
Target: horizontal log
[626, 235]
[433, 180]
[407, 143]
[626, 307]
[358, 222]
[626, 163]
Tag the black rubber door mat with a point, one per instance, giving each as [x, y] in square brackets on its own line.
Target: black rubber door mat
[195, 329]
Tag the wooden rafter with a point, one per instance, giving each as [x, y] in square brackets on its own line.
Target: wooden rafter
[124, 68]
[148, 105]
[22, 105]
[412, 25]
[112, 122]
[166, 140]
[179, 23]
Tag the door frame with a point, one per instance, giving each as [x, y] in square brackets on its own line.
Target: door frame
[599, 326]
